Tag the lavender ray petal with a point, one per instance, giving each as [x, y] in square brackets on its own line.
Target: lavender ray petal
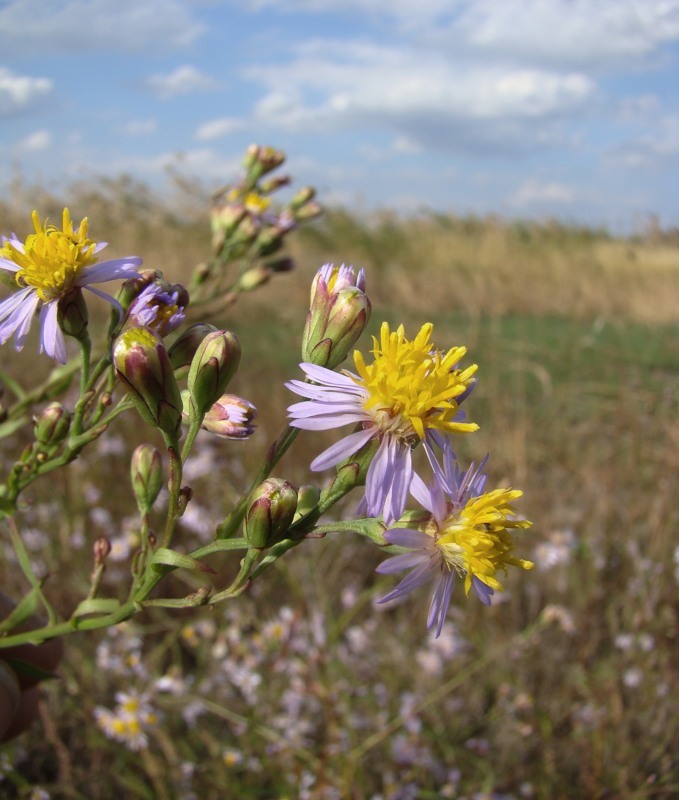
[109, 270]
[51, 337]
[400, 562]
[408, 537]
[341, 450]
[411, 581]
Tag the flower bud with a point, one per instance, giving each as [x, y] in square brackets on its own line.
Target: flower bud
[308, 211]
[184, 347]
[302, 197]
[260, 160]
[214, 364]
[231, 417]
[146, 470]
[271, 185]
[52, 425]
[146, 373]
[253, 278]
[338, 313]
[72, 314]
[271, 513]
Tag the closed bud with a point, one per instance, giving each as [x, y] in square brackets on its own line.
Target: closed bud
[145, 371]
[302, 197]
[271, 513]
[72, 314]
[271, 185]
[183, 349]
[260, 160]
[253, 278]
[284, 264]
[146, 470]
[52, 425]
[339, 311]
[231, 417]
[101, 549]
[214, 364]
[308, 211]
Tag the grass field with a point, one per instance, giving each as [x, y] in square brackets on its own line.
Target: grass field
[304, 687]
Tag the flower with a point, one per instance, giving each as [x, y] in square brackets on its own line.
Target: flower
[49, 266]
[410, 393]
[467, 534]
[160, 308]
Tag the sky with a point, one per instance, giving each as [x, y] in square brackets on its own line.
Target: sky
[522, 108]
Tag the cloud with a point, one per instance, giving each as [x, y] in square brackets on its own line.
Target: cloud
[76, 26]
[657, 147]
[19, 92]
[425, 99]
[35, 142]
[535, 192]
[573, 34]
[141, 127]
[183, 80]
[217, 128]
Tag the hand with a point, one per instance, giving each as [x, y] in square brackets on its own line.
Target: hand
[19, 694]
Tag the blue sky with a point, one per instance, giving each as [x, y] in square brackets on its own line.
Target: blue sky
[524, 108]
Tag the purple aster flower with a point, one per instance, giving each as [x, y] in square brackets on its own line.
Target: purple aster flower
[159, 308]
[49, 265]
[406, 396]
[466, 535]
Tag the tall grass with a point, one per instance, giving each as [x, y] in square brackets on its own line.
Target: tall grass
[566, 688]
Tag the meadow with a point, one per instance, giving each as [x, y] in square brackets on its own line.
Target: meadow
[304, 687]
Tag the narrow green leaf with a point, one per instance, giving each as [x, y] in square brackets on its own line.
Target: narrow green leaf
[96, 606]
[171, 558]
[26, 608]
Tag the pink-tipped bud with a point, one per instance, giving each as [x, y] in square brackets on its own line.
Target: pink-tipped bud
[339, 311]
[145, 371]
[231, 417]
[52, 425]
[271, 513]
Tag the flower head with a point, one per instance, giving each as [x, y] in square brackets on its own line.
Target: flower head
[467, 535]
[160, 308]
[410, 393]
[49, 266]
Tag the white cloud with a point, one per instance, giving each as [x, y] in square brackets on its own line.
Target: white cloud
[535, 192]
[575, 33]
[217, 128]
[183, 80]
[426, 99]
[141, 127]
[35, 142]
[19, 92]
[659, 146]
[76, 26]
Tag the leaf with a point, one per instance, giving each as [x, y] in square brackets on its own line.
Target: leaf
[29, 670]
[96, 606]
[170, 558]
[26, 608]
[220, 545]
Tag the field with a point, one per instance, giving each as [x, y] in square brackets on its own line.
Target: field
[304, 687]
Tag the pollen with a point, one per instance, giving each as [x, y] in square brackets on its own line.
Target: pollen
[412, 386]
[52, 258]
[475, 540]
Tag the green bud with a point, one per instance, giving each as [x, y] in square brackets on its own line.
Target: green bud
[72, 314]
[145, 371]
[183, 349]
[214, 364]
[271, 513]
[253, 278]
[302, 197]
[52, 425]
[339, 311]
[146, 471]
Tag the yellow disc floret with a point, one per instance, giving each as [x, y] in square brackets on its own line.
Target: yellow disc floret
[412, 386]
[52, 258]
[475, 540]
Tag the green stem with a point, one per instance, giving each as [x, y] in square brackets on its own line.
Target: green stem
[276, 452]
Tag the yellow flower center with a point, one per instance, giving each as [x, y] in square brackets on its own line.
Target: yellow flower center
[52, 258]
[475, 541]
[412, 386]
